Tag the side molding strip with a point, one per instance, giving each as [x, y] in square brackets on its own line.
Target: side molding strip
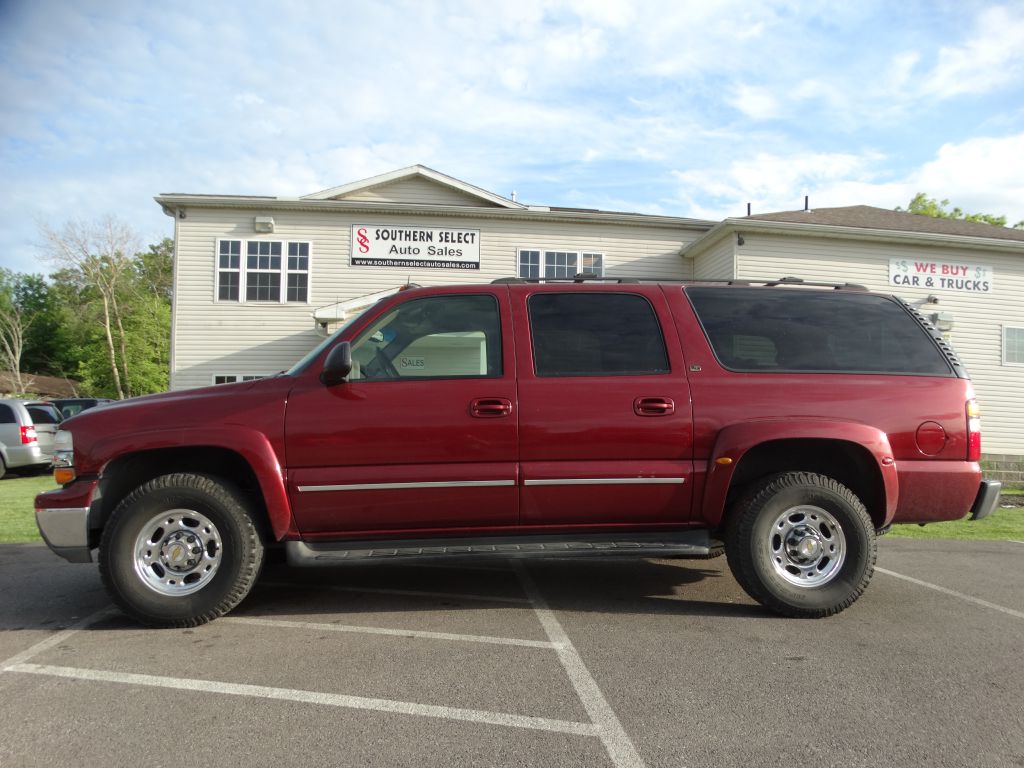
[610, 481]
[396, 486]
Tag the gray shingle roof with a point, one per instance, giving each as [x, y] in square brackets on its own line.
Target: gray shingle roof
[867, 217]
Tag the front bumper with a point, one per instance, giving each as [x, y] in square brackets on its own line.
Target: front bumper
[986, 500]
[62, 516]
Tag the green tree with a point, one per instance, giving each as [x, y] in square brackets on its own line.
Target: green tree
[939, 209]
[116, 306]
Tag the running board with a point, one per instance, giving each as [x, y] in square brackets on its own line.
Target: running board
[697, 543]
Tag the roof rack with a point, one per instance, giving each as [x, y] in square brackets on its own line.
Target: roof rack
[585, 277]
[581, 277]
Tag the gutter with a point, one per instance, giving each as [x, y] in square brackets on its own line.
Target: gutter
[180, 202]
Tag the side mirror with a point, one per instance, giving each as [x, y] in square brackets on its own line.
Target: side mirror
[338, 365]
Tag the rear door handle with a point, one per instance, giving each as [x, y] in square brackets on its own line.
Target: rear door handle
[654, 406]
[490, 407]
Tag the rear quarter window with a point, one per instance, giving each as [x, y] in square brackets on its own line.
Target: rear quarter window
[757, 329]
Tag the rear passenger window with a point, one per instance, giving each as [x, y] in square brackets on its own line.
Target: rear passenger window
[754, 329]
[6, 415]
[595, 334]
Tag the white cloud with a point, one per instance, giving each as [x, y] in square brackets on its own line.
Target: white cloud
[754, 102]
[982, 175]
[582, 102]
[992, 57]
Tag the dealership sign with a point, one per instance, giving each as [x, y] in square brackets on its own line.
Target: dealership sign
[423, 247]
[950, 276]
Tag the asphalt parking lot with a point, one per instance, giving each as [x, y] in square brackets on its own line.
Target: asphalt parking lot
[544, 663]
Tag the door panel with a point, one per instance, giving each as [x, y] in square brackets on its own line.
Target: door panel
[595, 447]
[415, 440]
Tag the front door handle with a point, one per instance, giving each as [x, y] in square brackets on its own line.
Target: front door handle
[490, 407]
[654, 406]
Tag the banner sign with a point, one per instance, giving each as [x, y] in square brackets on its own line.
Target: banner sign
[950, 276]
[423, 247]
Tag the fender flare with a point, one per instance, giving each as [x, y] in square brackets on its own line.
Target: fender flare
[736, 440]
[252, 445]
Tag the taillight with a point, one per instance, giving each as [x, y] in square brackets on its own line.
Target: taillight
[28, 435]
[973, 431]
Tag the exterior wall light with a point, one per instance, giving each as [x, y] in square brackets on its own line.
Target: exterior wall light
[263, 224]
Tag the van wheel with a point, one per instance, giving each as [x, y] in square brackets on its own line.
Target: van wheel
[801, 544]
[3, 468]
[180, 551]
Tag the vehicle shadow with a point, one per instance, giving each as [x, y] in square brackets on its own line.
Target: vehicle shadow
[621, 585]
[43, 592]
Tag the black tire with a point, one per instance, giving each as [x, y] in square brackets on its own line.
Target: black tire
[180, 550]
[801, 544]
[3, 468]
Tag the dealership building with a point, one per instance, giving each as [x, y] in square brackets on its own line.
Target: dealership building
[258, 280]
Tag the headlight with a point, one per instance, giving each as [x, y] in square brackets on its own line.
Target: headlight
[63, 458]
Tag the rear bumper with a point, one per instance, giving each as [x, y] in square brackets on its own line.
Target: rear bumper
[27, 456]
[986, 500]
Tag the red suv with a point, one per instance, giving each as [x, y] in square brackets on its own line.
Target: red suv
[789, 422]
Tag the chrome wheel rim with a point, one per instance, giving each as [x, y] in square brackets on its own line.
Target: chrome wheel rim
[807, 546]
[178, 552]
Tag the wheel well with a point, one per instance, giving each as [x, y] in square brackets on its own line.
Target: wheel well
[126, 473]
[848, 463]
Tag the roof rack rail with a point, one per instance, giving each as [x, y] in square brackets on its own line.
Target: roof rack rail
[801, 281]
[584, 277]
[581, 277]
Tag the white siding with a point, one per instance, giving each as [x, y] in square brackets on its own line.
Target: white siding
[212, 337]
[416, 190]
[717, 263]
[978, 318]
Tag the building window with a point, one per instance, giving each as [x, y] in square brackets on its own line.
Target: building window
[265, 270]
[535, 264]
[1013, 346]
[231, 378]
[298, 271]
[228, 270]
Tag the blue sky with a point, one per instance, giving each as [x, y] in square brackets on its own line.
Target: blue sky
[678, 107]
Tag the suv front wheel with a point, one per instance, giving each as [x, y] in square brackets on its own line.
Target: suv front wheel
[180, 551]
[801, 544]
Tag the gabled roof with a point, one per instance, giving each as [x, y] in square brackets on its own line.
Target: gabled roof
[868, 217]
[414, 171]
[864, 222]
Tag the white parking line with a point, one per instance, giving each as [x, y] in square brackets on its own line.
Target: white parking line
[954, 593]
[620, 747]
[401, 592]
[55, 639]
[315, 697]
[322, 627]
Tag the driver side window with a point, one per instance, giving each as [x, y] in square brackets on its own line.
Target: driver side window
[436, 337]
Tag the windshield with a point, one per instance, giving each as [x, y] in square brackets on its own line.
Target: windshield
[312, 355]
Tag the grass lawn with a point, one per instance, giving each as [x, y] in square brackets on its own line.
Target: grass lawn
[18, 521]
[17, 512]
[1001, 525]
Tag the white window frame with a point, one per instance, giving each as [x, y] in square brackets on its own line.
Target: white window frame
[542, 259]
[243, 271]
[234, 378]
[1006, 329]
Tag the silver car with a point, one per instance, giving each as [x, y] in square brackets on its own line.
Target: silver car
[27, 429]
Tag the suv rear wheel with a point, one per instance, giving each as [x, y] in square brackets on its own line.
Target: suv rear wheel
[801, 544]
[180, 551]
